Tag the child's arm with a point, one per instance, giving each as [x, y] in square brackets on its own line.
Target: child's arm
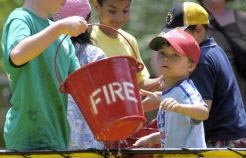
[148, 141]
[152, 84]
[195, 111]
[151, 100]
[32, 46]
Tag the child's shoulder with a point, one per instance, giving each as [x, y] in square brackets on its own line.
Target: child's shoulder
[185, 92]
[96, 32]
[128, 36]
[19, 12]
[185, 86]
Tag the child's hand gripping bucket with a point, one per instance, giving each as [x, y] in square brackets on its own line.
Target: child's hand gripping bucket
[107, 94]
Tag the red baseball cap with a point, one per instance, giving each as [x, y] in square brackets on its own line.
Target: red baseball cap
[184, 43]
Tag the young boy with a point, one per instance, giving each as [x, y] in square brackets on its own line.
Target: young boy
[214, 79]
[182, 109]
[230, 30]
[37, 117]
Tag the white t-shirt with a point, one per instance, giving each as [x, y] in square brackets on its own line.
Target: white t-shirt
[178, 130]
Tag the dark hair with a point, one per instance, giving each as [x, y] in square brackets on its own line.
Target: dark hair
[165, 43]
[84, 37]
[162, 43]
[100, 2]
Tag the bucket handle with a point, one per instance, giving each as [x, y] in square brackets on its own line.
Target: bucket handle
[134, 51]
[140, 66]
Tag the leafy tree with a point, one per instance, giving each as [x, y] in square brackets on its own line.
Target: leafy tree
[146, 20]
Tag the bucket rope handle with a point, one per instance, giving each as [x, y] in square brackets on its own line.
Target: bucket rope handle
[140, 65]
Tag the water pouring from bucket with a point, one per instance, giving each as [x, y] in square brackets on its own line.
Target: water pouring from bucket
[107, 94]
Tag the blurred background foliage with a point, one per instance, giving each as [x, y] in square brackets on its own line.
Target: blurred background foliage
[146, 21]
[6, 7]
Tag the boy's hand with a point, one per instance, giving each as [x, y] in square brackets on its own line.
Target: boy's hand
[151, 100]
[73, 26]
[170, 104]
[153, 84]
[145, 142]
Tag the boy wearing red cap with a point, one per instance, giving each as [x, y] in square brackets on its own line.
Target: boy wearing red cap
[182, 110]
[214, 79]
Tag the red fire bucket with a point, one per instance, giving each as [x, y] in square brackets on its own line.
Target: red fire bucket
[107, 94]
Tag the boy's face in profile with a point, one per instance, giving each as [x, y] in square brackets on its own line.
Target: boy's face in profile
[114, 13]
[172, 64]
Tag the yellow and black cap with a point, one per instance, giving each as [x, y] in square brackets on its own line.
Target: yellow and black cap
[186, 14]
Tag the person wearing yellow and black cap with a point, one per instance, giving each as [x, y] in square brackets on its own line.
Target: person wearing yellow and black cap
[177, 17]
[228, 29]
[214, 78]
[182, 109]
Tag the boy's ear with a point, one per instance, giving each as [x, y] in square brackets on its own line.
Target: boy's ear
[199, 33]
[199, 29]
[192, 66]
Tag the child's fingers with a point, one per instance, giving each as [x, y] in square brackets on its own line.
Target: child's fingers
[165, 104]
[138, 143]
[145, 93]
[83, 24]
[147, 101]
[169, 104]
[73, 26]
[148, 97]
[146, 141]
